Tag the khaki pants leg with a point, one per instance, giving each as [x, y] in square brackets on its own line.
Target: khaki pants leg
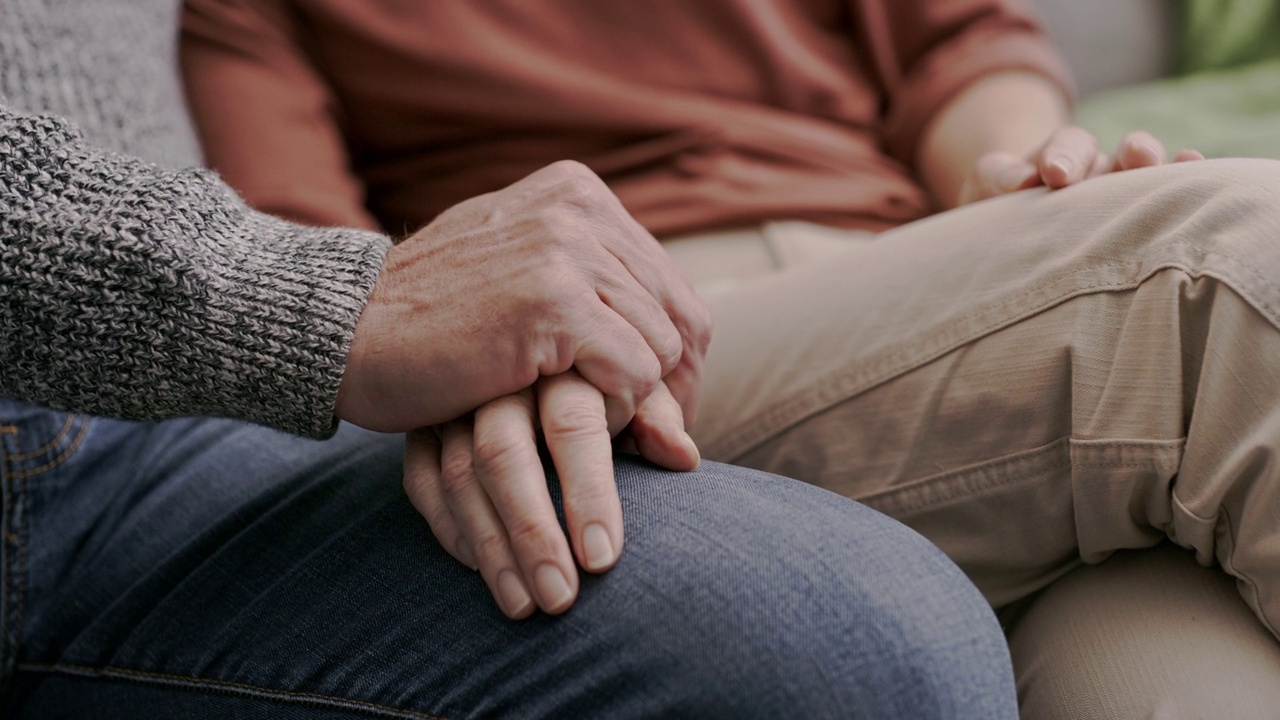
[1147, 635]
[1035, 380]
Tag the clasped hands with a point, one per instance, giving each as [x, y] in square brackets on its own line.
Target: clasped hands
[542, 307]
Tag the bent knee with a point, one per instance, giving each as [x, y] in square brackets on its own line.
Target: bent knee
[1216, 218]
[776, 598]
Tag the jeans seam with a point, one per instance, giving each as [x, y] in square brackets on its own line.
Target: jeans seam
[66, 427]
[15, 542]
[60, 459]
[228, 687]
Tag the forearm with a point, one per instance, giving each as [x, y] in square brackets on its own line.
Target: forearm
[1014, 112]
[139, 292]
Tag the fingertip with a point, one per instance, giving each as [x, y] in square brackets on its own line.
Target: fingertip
[1056, 173]
[1065, 158]
[1027, 178]
[1007, 172]
[667, 447]
[1141, 149]
[1188, 155]
[555, 590]
[514, 600]
[684, 455]
[598, 551]
[693, 453]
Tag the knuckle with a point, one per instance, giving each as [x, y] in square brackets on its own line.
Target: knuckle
[495, 453]
[429, 505]
[702, 321]
[532, 541]
[418, 470]
[571, 169]
[575, 180]
[670, 349]
[575, 418]
[416, 483]
[491, 549]
[634, 379]
[458, 472]
[643, 384]
[704, 328]
[561, 353]
[588, 496]
[492, 417]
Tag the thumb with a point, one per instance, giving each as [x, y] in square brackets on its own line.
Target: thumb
[658, 431]
[997, 173]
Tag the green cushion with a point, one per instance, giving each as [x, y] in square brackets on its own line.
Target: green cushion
[1229, 113]
[1218, 34]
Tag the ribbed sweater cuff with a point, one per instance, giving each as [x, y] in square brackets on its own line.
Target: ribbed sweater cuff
[281, 319]
[145, 293]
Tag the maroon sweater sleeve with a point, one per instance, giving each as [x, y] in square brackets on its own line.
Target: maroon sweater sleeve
[924, 52]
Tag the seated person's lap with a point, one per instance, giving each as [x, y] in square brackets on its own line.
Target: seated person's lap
[946, 440]
[216, 565]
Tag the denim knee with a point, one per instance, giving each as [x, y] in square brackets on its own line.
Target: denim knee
[739, 594]
[756, 596]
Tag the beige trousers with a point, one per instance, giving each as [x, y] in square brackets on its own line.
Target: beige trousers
[1032, 382]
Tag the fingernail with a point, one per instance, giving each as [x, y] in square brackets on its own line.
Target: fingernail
[511, 593]
[597, 546]
[467, 557]
[1062, 165]
[552, 586]
[693, 448]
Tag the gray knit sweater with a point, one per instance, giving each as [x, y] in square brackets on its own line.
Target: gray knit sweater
[131, 283]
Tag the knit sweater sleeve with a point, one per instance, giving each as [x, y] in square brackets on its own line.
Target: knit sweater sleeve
[143, 293]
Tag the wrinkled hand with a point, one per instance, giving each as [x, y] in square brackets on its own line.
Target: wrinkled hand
[547, 274]
[1070, 156]
[481, 486]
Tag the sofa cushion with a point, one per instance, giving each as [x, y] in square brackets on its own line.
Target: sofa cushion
[1108, 43]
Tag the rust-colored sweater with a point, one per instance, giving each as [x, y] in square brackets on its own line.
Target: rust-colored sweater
[698, 113]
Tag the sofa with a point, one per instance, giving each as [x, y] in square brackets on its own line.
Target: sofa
[1126, 55]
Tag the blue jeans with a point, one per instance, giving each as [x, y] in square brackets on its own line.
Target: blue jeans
[203, 568]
